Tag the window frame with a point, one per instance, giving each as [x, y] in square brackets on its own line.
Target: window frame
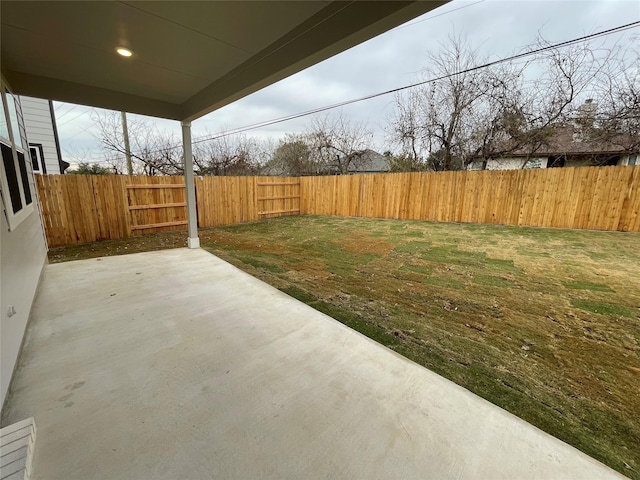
[37, 147]
[15, 219]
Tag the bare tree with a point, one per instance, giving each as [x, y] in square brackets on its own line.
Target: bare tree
[153, 152]
[338, 144]
[228, 155]
[465, 113]
[617, 118]
[563, 77]
[443, 121]
[156, 152]
[291, 157]
[405, 128]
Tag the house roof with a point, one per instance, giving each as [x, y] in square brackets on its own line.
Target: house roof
[190, 57]
[570, 139]
[371, 161]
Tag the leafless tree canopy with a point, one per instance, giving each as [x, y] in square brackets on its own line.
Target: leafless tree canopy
[492, 112]
[292, 156]
[155, 152]
[617, 119]
[338, 144]
[331, 145]
[229, 155]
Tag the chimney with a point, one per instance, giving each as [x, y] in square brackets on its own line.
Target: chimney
[587, 113]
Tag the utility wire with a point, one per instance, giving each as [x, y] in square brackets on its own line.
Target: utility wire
[67, 112]
[294, 116]
[77, 116]
[79, 132]
[431, 17]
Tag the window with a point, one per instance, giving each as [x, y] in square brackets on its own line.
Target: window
[556, 161]
[16, 189]
[12, 177]
[37, 158]
[478, 165]
[13, 117]
[4, 128]
[633, 160]
[533, 163]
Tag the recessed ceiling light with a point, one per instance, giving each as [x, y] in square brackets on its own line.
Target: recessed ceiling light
[125, 52]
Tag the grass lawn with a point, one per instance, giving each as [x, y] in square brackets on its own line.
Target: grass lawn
[542, 322]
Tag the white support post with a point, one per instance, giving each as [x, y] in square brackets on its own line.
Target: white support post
[192, 217]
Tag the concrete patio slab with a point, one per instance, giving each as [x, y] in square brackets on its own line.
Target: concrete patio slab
[176, 365]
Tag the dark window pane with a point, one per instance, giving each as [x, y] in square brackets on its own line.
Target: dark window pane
[12, 178]
[34, 158]
[25, 178]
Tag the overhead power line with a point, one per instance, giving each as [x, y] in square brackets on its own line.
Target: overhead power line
[67, 112]
[510, 58]
[431, 17]
[77, 116]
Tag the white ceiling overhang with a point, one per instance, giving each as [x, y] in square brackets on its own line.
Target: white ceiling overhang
[190, 57]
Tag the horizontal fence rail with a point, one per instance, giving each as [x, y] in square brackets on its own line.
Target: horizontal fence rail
[84, 208]
[156, 204]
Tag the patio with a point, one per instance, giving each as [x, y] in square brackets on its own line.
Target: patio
[174, 364]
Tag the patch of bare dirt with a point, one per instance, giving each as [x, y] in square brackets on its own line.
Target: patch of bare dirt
[361, 242]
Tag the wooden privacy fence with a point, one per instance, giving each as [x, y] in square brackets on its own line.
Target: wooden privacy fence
[604, 198]
[227, 200]
[156, 204]
[87, 208]
[83, 208]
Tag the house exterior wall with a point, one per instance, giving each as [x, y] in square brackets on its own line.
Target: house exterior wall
[39, 126]
[509, 164]
[578, 162]
[630, 160]
[23, 254]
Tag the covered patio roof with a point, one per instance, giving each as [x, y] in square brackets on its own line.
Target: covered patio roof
[189, 57]
[175, 364]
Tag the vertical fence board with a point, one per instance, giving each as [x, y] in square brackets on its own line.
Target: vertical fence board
[630, 210]
[80, 208]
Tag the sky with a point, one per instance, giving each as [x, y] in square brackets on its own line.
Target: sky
[497, 28]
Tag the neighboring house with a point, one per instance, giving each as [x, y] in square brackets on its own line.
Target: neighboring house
[370, 162]
[42, 135]
[568, 146]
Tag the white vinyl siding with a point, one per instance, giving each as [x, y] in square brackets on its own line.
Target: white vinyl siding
[516, 163]
[37, 119]
[22, 258]
[630, 160]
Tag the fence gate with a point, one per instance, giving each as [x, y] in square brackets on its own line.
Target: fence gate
[158, 206]
[277, 197]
